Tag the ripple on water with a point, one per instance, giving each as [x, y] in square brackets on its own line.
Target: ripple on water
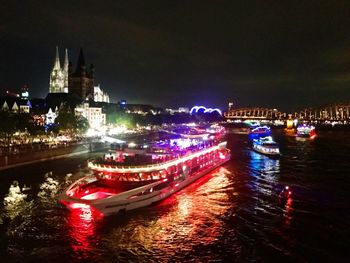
[231, 214]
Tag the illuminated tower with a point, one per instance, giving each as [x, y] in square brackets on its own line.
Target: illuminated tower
[230, 105]
[25, 92]
[56, 76]
[65, 73]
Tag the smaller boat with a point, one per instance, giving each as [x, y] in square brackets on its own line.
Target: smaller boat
[306, 130]
[266, 145]
[285, 194]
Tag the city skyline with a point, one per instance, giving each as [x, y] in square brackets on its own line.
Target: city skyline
[269, 54]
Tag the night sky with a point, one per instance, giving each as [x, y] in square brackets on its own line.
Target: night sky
[279, 54]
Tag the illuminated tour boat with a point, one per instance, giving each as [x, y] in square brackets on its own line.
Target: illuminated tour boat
[306, 131]
[266, 145]
[133, 176]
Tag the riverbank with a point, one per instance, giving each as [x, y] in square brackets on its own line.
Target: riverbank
[21, 159]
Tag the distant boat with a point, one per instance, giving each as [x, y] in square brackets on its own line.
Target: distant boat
[305, 130]
[266, 145]
[260, 131]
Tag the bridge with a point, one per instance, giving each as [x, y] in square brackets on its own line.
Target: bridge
[331, 112]
[255, 113]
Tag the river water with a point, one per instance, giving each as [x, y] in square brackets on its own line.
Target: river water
[232, 214]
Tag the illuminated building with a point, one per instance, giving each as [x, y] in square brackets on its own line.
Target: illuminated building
[141, 109]
[94, 115]
[230, 105]
[15, 104]
[50, 116]
[64, 80]
[100, 95]
[290, 124]
[59, 76]
[25, 92]
[179, 110]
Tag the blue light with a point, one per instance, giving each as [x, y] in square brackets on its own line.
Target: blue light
[195, 109]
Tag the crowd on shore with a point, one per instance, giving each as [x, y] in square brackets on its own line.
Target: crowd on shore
[20, 147]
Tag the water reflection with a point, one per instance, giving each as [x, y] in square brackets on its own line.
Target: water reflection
[287, 212]
[186, 220]
[266, 173]
[15, 203]
[261, 165]
[197, 206]
[49, 188]
[82, 223]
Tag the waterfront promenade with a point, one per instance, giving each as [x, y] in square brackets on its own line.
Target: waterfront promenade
[43, 152]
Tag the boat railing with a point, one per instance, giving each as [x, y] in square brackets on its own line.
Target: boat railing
[133, 166]
[111, 166]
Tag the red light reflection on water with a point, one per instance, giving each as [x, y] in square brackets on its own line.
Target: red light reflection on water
[288, 211]
[194, 208]
[81, 221]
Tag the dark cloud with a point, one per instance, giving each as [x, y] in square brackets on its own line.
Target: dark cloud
[284, 54]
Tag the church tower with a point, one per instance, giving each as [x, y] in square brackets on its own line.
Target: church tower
[81, 82]
[57, 76]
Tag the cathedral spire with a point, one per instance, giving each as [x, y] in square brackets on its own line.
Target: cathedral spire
[81, 63]
[65, 72]
[65, 65]
[57, 60]
[57, 76]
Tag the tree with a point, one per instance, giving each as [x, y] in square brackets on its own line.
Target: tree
[66, 121]
[8, 125]
[121, 118]
[82, 124]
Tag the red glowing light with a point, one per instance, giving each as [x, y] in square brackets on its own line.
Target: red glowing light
[81, 226]
[222, 156]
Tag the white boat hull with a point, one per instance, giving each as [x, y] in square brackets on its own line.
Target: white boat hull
[262, 151]
[129, 200]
